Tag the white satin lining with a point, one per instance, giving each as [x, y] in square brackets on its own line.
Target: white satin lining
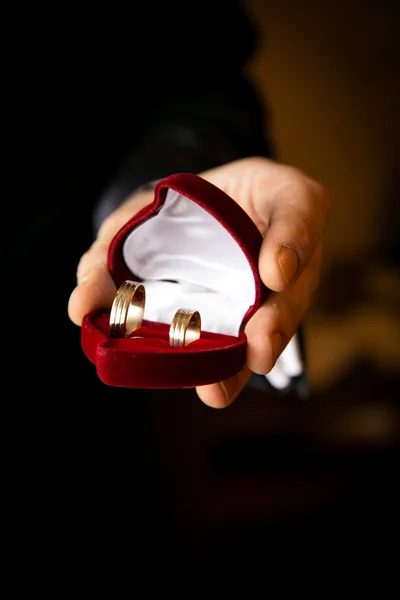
[187, 259]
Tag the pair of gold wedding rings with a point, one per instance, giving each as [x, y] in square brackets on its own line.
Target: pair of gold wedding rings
[127, 315]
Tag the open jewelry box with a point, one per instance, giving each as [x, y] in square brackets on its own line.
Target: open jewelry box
[193, 247]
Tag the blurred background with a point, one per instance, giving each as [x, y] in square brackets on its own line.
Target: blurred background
[330, 76]
[269, 471]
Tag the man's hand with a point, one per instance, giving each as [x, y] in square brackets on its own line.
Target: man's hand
[289, 209]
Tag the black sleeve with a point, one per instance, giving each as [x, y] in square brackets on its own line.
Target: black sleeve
[114, 98]
[202, 109]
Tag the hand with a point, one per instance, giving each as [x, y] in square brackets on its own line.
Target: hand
[289, 209]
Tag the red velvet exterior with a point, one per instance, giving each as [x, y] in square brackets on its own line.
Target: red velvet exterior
[149, 361]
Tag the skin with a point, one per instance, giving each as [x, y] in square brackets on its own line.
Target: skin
[290, 209]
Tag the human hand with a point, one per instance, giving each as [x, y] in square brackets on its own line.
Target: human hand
[289, 209]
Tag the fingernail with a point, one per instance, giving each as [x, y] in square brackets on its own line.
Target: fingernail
[276, 340]
[288, 261]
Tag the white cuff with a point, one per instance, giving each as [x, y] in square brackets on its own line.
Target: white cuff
[289, 364]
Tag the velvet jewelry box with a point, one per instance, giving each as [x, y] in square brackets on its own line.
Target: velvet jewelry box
[193, 247]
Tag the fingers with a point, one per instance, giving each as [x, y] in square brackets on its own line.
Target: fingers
[291, 211]
[296, 224]
[268, 333]
[95, 257]
[95, 288]
[276, 321]
[221, 395]
[96, 291]
[289, 208]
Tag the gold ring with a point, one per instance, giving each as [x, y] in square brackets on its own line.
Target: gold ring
[185, 328]
[127, 309]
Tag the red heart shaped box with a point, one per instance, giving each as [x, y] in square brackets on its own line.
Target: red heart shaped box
[192, 247]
